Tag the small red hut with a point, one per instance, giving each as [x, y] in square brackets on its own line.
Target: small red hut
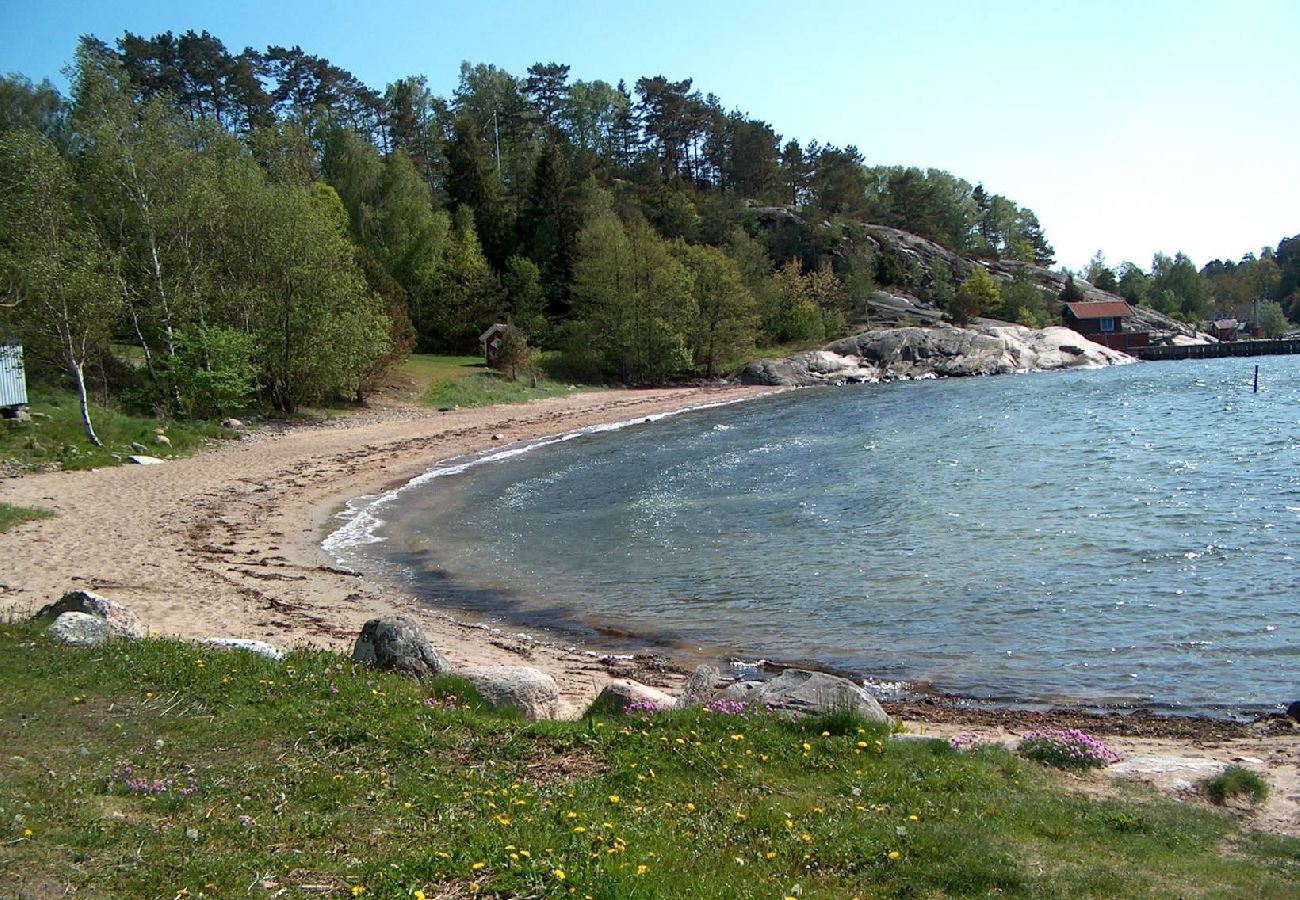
[1103, 322]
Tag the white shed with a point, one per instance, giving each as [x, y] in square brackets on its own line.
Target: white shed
[13, 377]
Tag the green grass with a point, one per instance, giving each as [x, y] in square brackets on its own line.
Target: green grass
[55, 438]
[1234, 781]
[321, 778]
[11, 515]
[464, 381]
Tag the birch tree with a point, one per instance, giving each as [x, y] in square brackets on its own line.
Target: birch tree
[56, 277]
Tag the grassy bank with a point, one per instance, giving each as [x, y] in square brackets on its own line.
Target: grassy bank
[464, 381]
[56, 439]
[158, 769]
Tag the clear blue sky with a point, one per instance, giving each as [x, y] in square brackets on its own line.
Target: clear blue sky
[1129, 127]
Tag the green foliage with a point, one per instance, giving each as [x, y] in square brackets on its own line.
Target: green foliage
[215, 370]
[513, 355]
[11, 515]
[1025, 303]
[978, 295]
[1234, 781]
[1272, 319]
[291, 761]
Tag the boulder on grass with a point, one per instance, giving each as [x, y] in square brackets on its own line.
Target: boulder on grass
[808, 693]
[121, 622]
[530, 692]
[259, 648]
[622, 693]
[398, 645]
[80, 629]
[700, 688]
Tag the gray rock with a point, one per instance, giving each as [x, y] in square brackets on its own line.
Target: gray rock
[139, 460]
[808, 693]
[80, 629]
[941, 351]
[620, 693]
[532, 693]
[398, 645]
[232, 424]
[700, 688]
[137, 447]
[260, 648]
[118, 618]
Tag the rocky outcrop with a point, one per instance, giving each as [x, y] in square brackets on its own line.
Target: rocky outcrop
[700, 687]
[943, 351]
[80, 629]
[118, 620]
[530, 692]
[398, 645]
[258, 648]
[622, 693]
[808, 693]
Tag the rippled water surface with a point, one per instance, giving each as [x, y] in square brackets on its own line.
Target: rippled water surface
[1126, 536]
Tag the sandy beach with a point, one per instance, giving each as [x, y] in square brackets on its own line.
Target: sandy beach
[227, 544]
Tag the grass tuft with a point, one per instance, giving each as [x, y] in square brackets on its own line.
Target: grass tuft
[11, 515]
[1234, 781]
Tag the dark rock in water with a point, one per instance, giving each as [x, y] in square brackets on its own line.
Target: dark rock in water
[809, 693]
[80, 629]
[119, 620]
[531, 692]
[700, 688]
[398, 645]
[1294, 710]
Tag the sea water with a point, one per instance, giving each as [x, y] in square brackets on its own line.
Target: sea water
[1124, 537]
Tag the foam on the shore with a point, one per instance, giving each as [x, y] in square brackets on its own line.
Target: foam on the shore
[361, 518]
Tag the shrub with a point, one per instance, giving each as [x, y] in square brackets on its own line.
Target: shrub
[1234, 781]
[1066, 749]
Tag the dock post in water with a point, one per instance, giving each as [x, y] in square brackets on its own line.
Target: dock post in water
[1256, 378]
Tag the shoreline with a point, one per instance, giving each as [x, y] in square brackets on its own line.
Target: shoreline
[227, 543]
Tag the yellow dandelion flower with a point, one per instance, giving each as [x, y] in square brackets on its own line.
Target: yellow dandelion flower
[580, 829]
[27, 832]
[806, 746]
[789, 823]
[642, 869]
[771, 854]
[826, 734]
[358, 890]
[477, 866]
[525, 854]
[894, 854]
[913, 818]
[690, 807]
[559, 874]
[614, 798]
[417, 895]
[737, 737]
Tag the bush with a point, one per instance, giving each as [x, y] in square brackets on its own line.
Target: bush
[1234, 781]
[1066, 749]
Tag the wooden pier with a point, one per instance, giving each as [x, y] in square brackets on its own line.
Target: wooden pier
[1219, 351]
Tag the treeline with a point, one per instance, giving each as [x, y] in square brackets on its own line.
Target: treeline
[264, 227]
[1263, 290]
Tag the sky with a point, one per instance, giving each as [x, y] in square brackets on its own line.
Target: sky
[1128, 127]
